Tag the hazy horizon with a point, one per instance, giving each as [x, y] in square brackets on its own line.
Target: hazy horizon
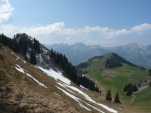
[98, 22]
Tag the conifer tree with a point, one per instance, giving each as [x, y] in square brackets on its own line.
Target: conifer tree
[117, 100]
[149, 71]
[109, 96]
[33, 58]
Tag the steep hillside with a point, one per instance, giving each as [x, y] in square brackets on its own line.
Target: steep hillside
[28, 88]
[25, 89]
[114, 73]
[37, 54]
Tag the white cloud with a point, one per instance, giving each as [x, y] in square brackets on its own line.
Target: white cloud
[141, 28]
[5, 10]
[94, 35]
[59, 33]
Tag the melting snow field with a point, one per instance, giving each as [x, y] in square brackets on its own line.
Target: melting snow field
[56, 75]
[88, 98]
[74, 98]
[20, 69]
[70, 90]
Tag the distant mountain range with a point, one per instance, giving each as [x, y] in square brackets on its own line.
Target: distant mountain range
[78, 53]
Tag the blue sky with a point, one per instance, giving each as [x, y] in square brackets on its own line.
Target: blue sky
[93, 22]
[111, 13]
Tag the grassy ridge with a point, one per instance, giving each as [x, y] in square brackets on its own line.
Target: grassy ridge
[116, 78]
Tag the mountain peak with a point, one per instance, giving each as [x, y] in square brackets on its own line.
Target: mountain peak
[22, 36]
[113, 60]
[108, 61]
[112, 54]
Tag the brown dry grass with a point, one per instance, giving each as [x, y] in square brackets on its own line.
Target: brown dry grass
[24, 94]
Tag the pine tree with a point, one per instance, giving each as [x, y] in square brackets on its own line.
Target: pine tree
[109, 96]
[36, 46]
[149, 71]
[130, 88]
[33, 57]
[117, 100]
[150, 84]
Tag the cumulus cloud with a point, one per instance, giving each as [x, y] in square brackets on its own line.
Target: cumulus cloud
[5, 10]
[93, 35]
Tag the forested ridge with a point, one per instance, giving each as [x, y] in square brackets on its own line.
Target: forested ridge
[30, 48]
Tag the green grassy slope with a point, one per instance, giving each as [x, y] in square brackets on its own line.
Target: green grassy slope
[117, 77]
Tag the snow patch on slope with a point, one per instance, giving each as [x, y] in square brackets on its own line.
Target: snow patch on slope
[20, 69]
[38, 82]
[97, 109]
[74, 98]
[87, 97]
[57, 75]
[71, 90]
[107, 108]
[82, 87]
[79, 100]
[77, 91]
[18, 58]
